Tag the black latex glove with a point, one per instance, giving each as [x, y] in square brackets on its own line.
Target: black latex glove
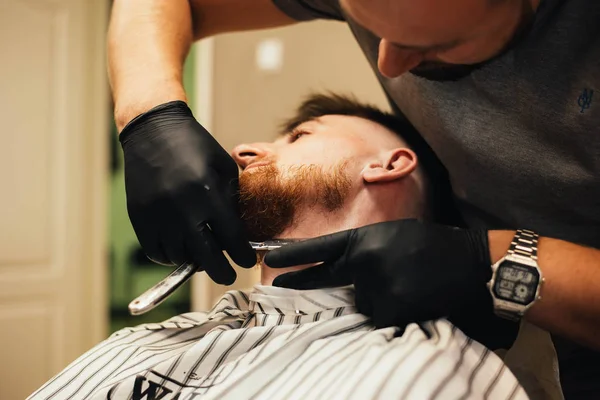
[403, 271]
[179, 179]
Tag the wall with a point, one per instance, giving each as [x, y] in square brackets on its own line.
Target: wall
[248, 104]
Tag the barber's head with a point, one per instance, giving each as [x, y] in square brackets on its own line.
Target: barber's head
[338, 165]
[440, 39]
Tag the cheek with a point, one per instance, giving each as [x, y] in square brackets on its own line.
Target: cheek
[305, 152]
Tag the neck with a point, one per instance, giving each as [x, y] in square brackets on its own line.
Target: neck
[313, 222]
[268, 275]
[309, 223]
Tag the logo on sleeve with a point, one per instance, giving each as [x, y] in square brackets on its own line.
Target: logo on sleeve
[585, 99]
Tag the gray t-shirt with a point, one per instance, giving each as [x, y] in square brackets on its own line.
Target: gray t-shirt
[520, 136]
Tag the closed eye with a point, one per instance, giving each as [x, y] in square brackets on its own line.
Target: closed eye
[297, 134]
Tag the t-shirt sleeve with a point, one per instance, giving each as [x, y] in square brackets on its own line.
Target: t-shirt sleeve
[307, 10]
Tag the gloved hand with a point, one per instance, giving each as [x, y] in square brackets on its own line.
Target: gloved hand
[181, 193]
[403, 271]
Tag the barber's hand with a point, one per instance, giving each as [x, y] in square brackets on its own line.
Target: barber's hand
[181, 193]
[403, 271]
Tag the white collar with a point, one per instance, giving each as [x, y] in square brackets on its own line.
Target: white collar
[278, 300]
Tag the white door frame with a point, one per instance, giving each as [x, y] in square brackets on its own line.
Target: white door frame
[201, 298]
[97, 156]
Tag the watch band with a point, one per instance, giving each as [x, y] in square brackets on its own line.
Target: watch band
[524, 244]
[523, 250]
[509, 315]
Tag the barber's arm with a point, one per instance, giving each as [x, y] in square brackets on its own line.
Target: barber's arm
[148, 42]
[147, 45]
[411, 271]
[180, 183]
[570, 303]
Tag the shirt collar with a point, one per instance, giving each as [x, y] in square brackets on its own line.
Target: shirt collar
[278, 300]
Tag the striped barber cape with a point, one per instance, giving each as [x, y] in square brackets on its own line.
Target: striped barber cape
[276, 343]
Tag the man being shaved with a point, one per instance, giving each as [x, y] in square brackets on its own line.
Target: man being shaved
[340, 165]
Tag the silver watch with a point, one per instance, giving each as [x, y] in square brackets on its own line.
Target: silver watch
[516, 277]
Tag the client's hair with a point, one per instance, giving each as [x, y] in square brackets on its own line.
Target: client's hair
[439, 197]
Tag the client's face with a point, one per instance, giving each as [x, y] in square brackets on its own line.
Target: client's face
[315, 167]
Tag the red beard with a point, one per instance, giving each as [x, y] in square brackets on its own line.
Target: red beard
[269, 201]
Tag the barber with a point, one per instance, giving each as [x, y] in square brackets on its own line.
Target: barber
[502, 91]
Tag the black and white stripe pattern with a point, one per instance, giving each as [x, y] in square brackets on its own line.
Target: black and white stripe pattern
[277, 343]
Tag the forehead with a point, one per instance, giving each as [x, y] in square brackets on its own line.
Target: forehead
[423, 21]
[354, 128]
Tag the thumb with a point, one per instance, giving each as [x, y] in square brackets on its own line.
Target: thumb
[326, 248]
[317, 277]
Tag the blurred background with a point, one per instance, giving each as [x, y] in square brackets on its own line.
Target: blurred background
[69, 260]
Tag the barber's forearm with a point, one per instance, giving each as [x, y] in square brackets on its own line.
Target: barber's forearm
[148, 42]
[570, 304]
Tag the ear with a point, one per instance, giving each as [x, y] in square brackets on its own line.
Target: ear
[393, 165]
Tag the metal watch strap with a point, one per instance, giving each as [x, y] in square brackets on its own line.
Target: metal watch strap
[524, 244]
[511, 316]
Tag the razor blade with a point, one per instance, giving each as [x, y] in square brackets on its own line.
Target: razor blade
[163, 289]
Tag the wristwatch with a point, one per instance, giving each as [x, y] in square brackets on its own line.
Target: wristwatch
[516, 277]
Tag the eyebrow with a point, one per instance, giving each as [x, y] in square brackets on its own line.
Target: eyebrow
[285, 132]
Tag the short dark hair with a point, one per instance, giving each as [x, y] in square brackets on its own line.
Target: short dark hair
[439, 194]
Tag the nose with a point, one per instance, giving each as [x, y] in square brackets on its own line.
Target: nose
[394, 61]
[246, 154]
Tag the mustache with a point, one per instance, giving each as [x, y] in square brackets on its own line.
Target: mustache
[443, 72]
[263, 161]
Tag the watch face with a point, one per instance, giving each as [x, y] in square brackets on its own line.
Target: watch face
[516, 283]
